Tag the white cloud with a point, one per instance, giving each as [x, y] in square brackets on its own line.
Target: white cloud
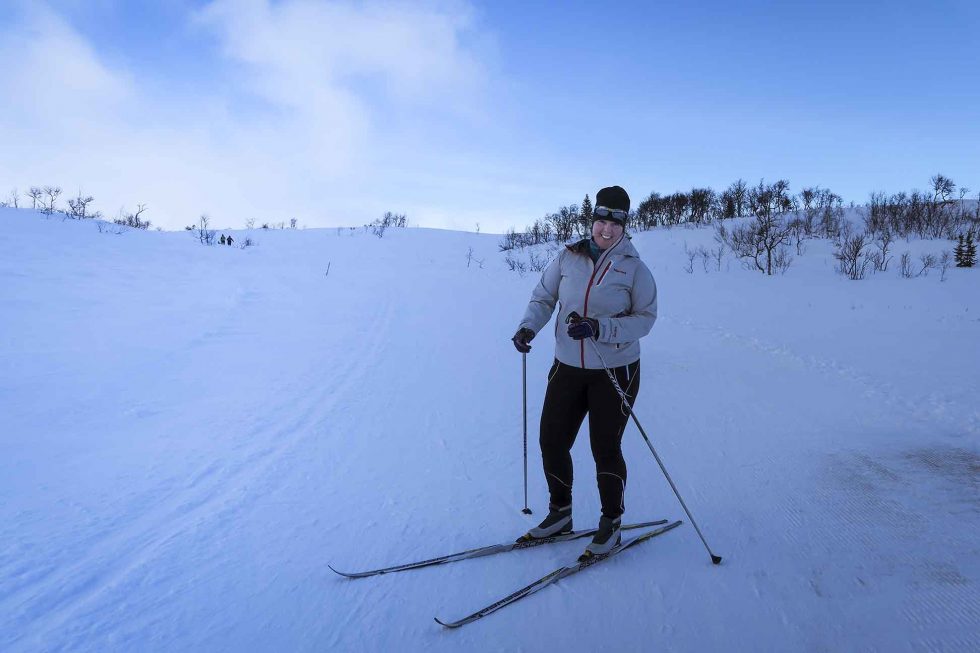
[324, 83]
[301, 47]
[47, 66]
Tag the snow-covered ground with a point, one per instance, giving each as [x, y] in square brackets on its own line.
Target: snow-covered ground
[189, 435]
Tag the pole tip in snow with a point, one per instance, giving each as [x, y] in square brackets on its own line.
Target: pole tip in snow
[527, 511]
[716, 559]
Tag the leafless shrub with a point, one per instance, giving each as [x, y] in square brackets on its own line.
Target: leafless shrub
[852, 262]
[538, 233]
[733, 201]
[717, 254]
[78, 207]
[109, 228]
[691, 254]
[705, 255]
[248, 242]
[782, 260]
[204, 234]
[701, 205]
[537, 262]
[926, 215]
[769, 200]
[799, 232]
[942, 188]
[879, 257]
[52, 192]
[389, 219]
[743, 243]
[564, 223]
[510, 240]
[759, 242]
[905, 265]
[35, 193]
[514, 264]
[807, 197]
[929, 262]
[470, 259]
[944, 262]
[133, 219]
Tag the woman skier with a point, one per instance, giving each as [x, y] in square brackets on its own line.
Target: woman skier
[605, 294]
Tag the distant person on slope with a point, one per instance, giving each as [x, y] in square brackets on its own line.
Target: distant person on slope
[605, 294]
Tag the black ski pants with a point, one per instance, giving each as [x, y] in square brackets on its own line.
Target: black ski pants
[572, 393]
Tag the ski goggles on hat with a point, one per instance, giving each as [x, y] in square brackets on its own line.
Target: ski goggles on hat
[616, 214]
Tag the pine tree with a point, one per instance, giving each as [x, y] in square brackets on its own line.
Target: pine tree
[587, 209]
[584, 216]
[960, 252]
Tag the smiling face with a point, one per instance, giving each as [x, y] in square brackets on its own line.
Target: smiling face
[606, 232]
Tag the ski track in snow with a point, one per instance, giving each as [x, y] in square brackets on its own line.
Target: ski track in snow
[212, 495]
[932, 408]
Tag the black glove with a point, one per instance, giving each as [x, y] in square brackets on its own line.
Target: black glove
[580, 328]
[521, 338]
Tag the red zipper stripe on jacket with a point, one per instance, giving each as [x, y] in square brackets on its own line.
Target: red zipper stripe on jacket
[585, 308]
[603, 276]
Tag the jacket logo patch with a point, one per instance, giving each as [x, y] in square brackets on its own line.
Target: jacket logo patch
[620, 271]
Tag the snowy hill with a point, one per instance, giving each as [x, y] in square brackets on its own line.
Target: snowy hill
[191, 434]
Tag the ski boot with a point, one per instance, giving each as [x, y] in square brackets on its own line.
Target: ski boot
[606, 538]
[558, 522]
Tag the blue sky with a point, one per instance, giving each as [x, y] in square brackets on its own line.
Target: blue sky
[461, 113]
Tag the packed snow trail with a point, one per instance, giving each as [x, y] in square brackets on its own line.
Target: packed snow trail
[191, 434]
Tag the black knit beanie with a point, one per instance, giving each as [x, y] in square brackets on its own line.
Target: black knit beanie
[613, 197]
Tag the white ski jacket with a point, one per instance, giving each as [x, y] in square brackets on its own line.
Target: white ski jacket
[618, 291]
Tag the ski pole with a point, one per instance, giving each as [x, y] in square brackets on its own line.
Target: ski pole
[612, 377]
[526, 511]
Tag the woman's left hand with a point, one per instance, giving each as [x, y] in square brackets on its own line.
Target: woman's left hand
[584, 327]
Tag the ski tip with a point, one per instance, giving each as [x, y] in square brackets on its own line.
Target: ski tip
[443, 624]
[340, 573]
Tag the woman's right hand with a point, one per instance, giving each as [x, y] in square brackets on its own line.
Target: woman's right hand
[522, 338]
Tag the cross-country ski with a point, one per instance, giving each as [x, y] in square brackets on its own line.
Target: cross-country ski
[492, 549]
[555, 576]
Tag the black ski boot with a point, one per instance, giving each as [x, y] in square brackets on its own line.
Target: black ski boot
[606, 538]
[558, 522]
